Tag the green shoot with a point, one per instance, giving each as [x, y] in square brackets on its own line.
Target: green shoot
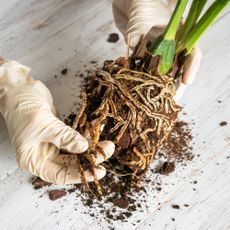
[193, 15]
[202, 25]
[166, 45]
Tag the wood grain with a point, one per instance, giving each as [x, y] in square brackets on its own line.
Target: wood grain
[51, 35]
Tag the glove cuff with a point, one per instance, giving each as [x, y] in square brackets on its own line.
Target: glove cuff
[13, 74]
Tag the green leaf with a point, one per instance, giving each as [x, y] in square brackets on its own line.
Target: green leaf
[165, 49]
[171, 30]
[193, 15]
[201, 26]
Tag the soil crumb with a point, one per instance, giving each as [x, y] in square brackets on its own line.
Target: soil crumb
[69, 119]
[38, 183]
[64, 71]
[178, 147]
[113, 38]
[121, 203]
[175, 206]
[223, 123]
[166, 168]
[56, 194]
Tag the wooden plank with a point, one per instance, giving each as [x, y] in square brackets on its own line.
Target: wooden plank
[26, 24]
[208, 203]
[52, 35]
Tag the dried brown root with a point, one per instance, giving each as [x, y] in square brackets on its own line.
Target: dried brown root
[92, 162]
[81, 111]
[83, 178]
[95, 133]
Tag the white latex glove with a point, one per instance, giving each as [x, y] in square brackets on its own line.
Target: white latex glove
[36, 133]
[135, 18]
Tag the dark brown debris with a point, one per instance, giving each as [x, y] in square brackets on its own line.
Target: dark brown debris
[223, 123]
[56, 194]
[64, 71]
[38, 183]
[166, 168]
[121, 203]
[178, 146]
[113, 38]
[175, 206]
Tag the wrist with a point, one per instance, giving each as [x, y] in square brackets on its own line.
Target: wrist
[13, 74]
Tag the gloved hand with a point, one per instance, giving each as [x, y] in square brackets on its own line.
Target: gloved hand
[36, 133]
[135, 18]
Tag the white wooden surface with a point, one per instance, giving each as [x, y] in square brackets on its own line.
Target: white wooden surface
[49, 35]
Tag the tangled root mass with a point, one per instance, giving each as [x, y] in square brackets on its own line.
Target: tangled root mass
[136, 109]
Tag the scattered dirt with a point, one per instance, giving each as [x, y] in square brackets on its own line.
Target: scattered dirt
[38, 183]
[56, 194]
[166, 168]
[177, 146]
[118, 191]
[121, 203]
[64, 71]
[113, 38]
[223, 123]
[69, 119]
[175, 206]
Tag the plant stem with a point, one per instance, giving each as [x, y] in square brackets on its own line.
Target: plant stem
[194, 13]
[206, 20]
[174, 22]
[166, 45]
